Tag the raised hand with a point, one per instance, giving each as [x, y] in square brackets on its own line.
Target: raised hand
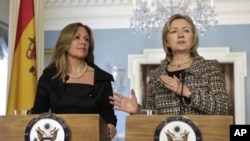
[125, 104]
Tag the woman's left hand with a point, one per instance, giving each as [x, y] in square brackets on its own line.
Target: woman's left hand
[125, 104]
[111, 131]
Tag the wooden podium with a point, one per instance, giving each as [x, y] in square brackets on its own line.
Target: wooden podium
[83, 127]
[212, 128]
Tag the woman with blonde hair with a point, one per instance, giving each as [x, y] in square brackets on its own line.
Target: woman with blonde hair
[72, 83]
[185, 82]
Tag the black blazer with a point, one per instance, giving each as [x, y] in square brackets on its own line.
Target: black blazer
[53, 95]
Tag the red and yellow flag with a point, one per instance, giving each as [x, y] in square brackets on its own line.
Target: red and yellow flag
[23, 78]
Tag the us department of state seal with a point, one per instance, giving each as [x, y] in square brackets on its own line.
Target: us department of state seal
[47, 127]
[177, 128]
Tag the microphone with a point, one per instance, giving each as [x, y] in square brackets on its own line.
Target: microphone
[66, 78]
[92, 92]
[62, 86]
[182, 79]
[183, 75]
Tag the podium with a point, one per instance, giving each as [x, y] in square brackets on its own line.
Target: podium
[212, 127]
[83, 127]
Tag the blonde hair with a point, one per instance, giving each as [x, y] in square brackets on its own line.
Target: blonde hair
[67, 35]
[165, 31]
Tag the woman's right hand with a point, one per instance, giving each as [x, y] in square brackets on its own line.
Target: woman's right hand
[125, 104]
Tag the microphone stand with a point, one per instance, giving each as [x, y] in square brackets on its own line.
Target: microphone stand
[182, 80]
[66, 78]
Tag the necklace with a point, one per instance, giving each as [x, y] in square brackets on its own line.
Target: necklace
[81, 74]
[179, 65]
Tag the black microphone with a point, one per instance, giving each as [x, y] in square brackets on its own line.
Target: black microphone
[66, 78]
[92, 92]
[183, 75]
[62, 86]
[182, 79]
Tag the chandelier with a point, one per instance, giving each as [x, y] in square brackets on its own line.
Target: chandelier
[150, 15]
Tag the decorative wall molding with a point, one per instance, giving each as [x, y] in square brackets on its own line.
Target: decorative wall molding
[67, 3]
[222, 54]
[111, 14]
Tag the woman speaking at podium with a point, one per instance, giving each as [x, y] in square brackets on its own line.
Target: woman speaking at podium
[184, 83]
[72, 83]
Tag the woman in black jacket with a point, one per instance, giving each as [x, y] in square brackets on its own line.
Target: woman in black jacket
[72, 83]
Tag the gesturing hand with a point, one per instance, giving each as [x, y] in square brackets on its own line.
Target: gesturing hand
[125, 104]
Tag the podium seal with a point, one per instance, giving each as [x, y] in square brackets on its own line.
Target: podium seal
[177, 128]
[47, 127]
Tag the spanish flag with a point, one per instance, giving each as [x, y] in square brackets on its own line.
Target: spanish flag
[23, 79]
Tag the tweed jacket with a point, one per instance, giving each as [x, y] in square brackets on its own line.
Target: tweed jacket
[206, 83]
